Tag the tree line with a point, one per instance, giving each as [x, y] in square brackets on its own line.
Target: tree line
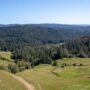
[47, 53]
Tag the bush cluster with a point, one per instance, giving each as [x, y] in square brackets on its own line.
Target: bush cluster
[18, 67]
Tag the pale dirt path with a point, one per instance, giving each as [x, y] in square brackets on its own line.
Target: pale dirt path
[28, 86]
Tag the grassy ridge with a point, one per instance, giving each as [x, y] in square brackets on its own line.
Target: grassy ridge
[5, 58]
[67, 78]
[7, 82]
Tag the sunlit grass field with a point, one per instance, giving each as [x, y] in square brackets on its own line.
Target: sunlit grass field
[7, 82]
[75, 75]
[47, 77]
[6, 55]
[5, 58]
[5, 63]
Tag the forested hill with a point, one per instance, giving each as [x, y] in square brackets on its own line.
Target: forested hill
[79, 47]
[16, 36]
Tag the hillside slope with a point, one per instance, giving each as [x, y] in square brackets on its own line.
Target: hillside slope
[7, 82]
[46, 77]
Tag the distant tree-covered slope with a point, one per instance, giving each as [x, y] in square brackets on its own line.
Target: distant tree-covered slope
[16, 36]
[46, 54]
[79, 47]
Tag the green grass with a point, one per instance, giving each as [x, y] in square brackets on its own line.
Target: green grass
[6, 56]
[41, 77]
[5, 63]
[46, 77]
[70, 61]
[7, 82]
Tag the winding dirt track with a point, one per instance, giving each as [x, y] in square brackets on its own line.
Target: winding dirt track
[28, 86]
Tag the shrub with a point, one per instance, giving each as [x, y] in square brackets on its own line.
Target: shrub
[22, 65]
[55, 63]
[62, 66]
[74, 64]
[28, 65]
[81, 64]
[13, 68]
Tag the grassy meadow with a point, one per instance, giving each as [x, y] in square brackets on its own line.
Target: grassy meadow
[5, 58]
[7, 82]
[74, 75]
[47, 77]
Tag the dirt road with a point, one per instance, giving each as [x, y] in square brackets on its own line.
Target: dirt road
[28, 85]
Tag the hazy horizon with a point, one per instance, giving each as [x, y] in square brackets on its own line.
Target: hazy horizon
[44, 23]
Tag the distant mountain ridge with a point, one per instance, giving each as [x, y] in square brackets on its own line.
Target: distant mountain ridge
[50, 25]
[47, 25]
[17, 35]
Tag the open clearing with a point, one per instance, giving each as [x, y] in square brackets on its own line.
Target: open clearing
[46, 77]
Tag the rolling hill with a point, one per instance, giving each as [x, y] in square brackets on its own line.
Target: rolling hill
[70, 77]
[8, 82]
[70, 73]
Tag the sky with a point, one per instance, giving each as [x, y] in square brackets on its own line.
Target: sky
[44, 11]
